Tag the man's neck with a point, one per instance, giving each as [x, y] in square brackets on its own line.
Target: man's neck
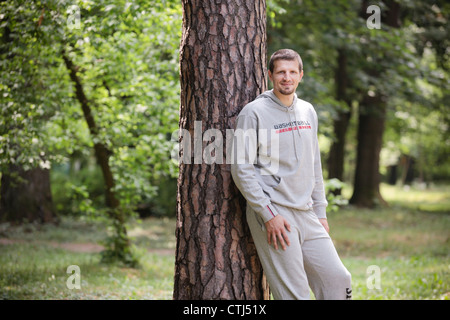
[286, 100]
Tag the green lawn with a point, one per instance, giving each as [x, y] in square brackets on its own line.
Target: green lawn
[407, 242]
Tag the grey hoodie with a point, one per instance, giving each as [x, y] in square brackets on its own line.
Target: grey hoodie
[276, 157]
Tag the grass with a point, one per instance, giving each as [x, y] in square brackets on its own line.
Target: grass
[408, 242]
[34, 261]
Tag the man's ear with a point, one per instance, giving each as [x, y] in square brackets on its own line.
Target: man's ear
[301, 75]
[270, 76]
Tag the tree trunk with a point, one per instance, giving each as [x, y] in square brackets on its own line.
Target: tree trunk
[121, 245]
[26, 196]
[223, 67]
[101, 152]
[372, 114]
[340, 125]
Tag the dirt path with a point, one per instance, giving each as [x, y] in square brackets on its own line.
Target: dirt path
[77, 247]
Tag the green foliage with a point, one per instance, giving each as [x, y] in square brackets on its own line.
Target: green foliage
[126, 54]
[165, 203]
[118, 248]
[332, 190]
[78, 190]
[29, 88]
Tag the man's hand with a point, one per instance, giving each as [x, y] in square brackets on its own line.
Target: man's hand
[324, 223]
[276, 231]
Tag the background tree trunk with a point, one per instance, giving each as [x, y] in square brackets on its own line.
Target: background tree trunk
[372, 114]
[372, 118]
[26, 196]
[223, 67]
[102, 153]
[340, 124]
[120, 246]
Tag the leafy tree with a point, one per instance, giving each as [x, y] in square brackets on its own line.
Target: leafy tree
[118, 61]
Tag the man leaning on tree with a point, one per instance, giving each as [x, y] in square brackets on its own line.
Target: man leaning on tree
[286, 204]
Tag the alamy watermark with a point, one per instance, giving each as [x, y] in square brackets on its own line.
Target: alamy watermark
[374, 20]
[373, 280]
[253, 146]
[74, 280]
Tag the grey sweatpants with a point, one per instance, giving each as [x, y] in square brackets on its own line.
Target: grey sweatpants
[310, 261]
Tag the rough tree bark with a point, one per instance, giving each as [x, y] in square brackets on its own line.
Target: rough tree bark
[223, 67]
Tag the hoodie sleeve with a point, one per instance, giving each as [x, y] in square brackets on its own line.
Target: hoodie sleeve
[244, 153]
[318, 195]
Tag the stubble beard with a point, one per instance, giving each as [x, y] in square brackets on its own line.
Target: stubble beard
[286, 92]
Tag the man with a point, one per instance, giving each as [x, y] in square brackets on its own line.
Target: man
[277, 168]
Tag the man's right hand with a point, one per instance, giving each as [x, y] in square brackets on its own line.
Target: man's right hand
[276, 231]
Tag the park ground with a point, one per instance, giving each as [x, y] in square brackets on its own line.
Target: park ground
[397, 252]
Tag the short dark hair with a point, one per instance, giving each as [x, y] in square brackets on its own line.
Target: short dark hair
[285, 54]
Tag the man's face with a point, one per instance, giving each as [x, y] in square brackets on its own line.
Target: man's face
[286, 76]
